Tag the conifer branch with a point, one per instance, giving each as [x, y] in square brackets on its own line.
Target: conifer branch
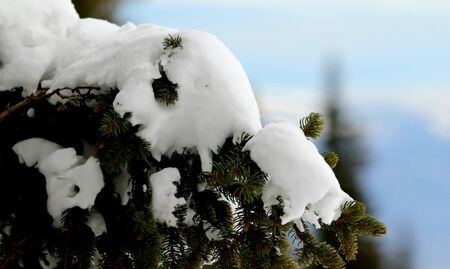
[41, 94]
[36, 96]
[312, 125]
[348, 243]
[165, 91]
[172, 42]
[317, 252]
[331, 159]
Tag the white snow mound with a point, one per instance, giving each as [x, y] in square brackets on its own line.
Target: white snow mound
[71, 180]
[97, 223]
[297, 173]
[46, 42]
[215, 97]
[31, 33]
[163, 195]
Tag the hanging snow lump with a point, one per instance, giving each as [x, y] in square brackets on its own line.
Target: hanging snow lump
[71, 180]
[297, 173]
[164, 200]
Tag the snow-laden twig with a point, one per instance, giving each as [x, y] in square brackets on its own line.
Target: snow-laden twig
[43, 93]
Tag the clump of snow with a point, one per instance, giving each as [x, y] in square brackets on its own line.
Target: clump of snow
[51, 260]
[71, 180]
[96, 222]
[163, 195]
[50, 44]
[213, 89]
[34, 150]
[189, 218]
[297, 173]
[31, 33]
[213, 234]
[31, 113]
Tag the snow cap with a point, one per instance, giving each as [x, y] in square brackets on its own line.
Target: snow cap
[31, 33]
[52, 46]
[297, 173]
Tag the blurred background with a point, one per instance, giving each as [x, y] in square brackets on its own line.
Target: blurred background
[379, 70]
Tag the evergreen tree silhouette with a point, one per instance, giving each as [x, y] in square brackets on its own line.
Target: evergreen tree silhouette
[344, 138]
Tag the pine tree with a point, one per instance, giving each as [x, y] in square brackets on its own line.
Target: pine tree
[343, 138]
[219, 217]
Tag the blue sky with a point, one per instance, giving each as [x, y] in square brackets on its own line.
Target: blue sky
[396, 70]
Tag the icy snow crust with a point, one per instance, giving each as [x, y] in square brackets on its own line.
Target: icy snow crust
[46, 42]
[71, 180]
[298, 173]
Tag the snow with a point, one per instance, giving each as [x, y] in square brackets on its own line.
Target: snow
[213, 89]
[31, 33]
[71, 180]
[34, 150]
[66, 51]
[189, 218]
[297, 173]
[46, 42]
[97, 223]
[31, 113]
[163, 195]
[211, 233]
[52, 261]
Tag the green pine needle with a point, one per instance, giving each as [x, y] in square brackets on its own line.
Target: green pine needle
[348, 244]
[331, 158]
[370, 226]
[317, 252]
[172, 42]
[165, 91]
[312, 125]
[353, 211]
[112, 124]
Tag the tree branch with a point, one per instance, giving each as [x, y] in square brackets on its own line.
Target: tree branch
[42, 93]
[36, 96]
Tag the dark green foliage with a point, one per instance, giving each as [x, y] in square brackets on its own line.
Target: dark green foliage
[354, 222]
[78, 245]
[223, 222]
[172, 42]
[118, 143]
[112, 125]
[355, 217]
[165, 90]
[235, 174]
[316, 252]
[312, 125]
[331, 158]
